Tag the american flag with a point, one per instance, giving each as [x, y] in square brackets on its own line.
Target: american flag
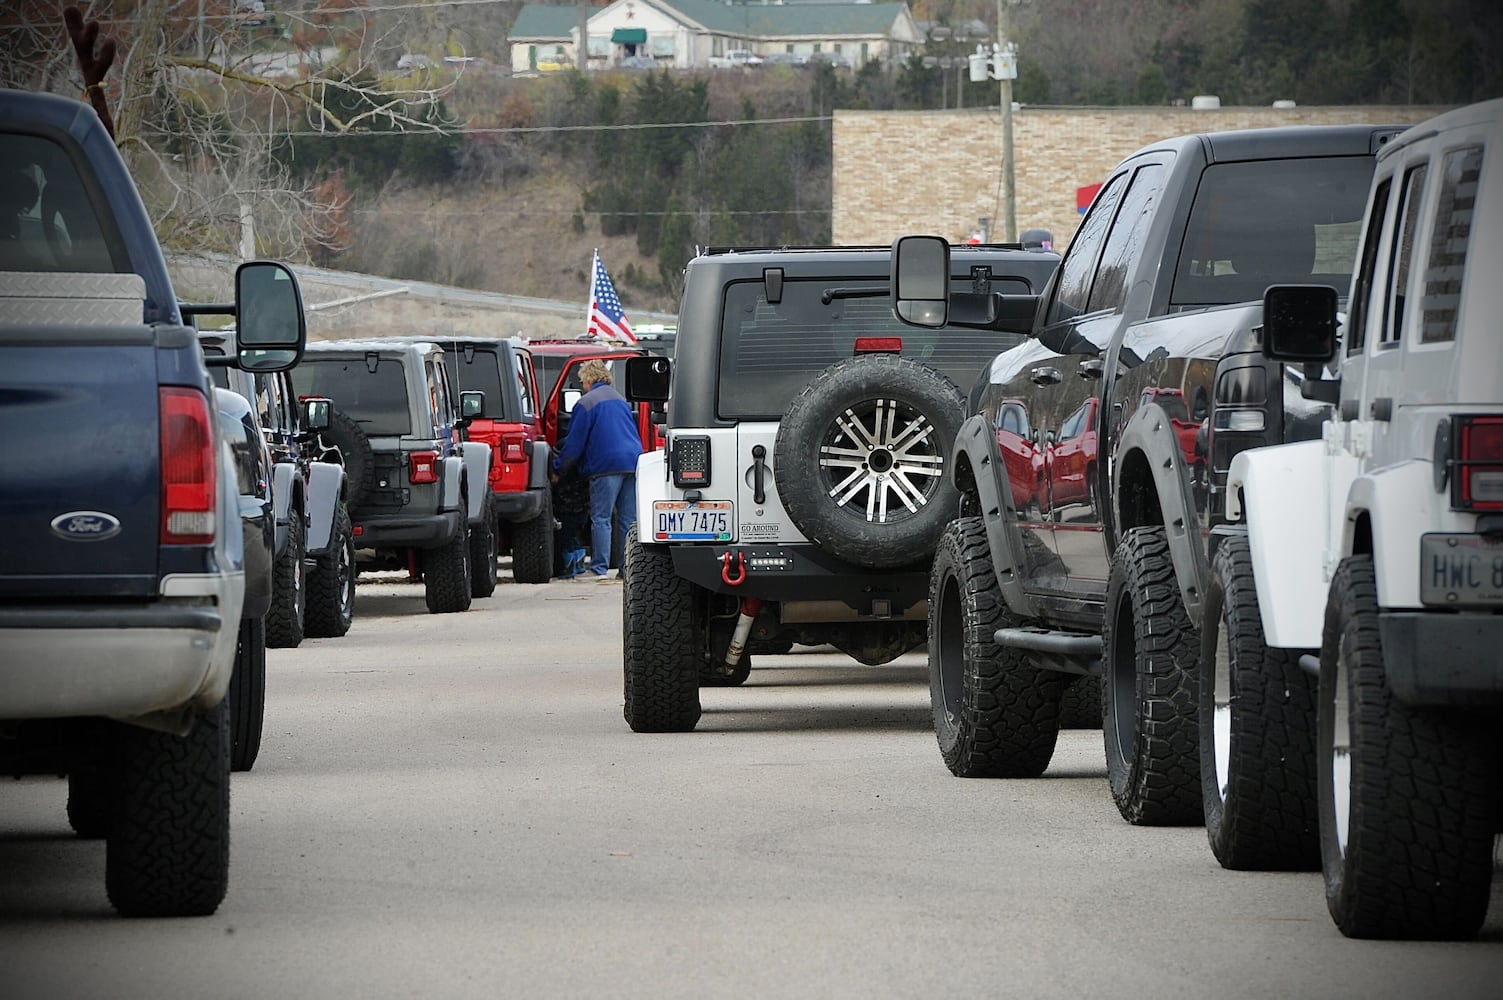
[607, 318]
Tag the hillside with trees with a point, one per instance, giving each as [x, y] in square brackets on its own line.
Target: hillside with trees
[286, 123]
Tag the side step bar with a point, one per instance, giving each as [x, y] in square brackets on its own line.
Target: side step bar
[1070, 652]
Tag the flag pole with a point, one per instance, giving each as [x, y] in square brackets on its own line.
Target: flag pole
[590, 302]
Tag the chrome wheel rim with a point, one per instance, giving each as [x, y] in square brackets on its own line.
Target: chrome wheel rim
[881, 460]
[1221, 712]
[1341, 751]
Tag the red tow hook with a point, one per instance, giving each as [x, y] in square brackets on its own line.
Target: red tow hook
[725, 569]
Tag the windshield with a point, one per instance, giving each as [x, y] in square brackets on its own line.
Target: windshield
[769, 352]
[1271, 222]
[377, 400]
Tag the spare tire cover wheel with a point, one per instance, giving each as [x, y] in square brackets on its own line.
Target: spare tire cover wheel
[862, 459]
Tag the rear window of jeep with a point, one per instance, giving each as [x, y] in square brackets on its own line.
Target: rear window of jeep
[375, 399]
[769, 352]
[481, 371]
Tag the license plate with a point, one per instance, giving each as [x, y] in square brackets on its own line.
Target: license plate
[1459, 570]
[692, 521]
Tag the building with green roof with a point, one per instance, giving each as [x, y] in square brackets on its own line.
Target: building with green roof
[702, 34]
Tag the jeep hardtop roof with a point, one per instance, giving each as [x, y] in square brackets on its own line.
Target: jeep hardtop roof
[776, 347]
[1279, 143]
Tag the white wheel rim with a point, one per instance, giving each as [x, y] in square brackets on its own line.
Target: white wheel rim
[883, 462]
[1221, 715]
[1341, 752]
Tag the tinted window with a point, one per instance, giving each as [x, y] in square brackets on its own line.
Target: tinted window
[47, 220]
[770, 352]
[1448, 244]
[481, 370]
[1403, 250]
[549, 367]
[1271, 222]
[377, 400]
[524, 385]
[1362, 286]
[1074, 288]
[1125, 244]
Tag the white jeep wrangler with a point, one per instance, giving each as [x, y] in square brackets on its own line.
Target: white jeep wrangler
[1392, 526]
[803, 484]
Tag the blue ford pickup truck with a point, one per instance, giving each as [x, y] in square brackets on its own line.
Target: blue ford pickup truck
[122, 558]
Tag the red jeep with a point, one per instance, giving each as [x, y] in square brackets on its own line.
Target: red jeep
[558, 363]
[513, 427]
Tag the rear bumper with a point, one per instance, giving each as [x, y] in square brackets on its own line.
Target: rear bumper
[427, 532]
[1443, 659]
[523, 506]
[802, 572]
[121, 661]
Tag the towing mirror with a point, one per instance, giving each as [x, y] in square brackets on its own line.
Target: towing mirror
[271, 327]
[921, 280]
[317, 415]
[648, 379]
[1299, 323]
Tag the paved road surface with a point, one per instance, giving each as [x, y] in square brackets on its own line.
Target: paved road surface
[451, 806]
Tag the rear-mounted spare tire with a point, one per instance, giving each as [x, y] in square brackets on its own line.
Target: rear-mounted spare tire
[862, 459]
[355, 451]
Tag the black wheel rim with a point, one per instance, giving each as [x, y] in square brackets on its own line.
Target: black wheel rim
[951, 649]
[1124, 680]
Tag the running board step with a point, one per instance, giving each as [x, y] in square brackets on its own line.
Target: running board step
[1047, 641]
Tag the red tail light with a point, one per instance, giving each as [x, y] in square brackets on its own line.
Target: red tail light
[1479, 463]
[513, 448]
[189, 471]
[422, 467]
[878, 345]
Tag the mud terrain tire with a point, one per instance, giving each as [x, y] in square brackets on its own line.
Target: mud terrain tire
[247, 695]
[1257, 731]
[995, 715]
[532, 545]
[355, 452]
[1149, 657]
[1411, 853]
[483, 550]
[286, 618]
[331, 584]
[659, 648]
[861, 459]
[446, 571]
[168, 849]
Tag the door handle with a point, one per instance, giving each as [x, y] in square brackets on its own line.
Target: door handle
[759, 470]
[1091, 368]
[1045, 376]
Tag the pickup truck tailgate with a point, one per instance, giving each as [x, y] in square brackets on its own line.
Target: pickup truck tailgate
[79, 436]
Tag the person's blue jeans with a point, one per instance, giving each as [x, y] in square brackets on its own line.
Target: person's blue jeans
[613, 494]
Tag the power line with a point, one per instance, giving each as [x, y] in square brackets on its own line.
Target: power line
[565, 213]
[529, 129]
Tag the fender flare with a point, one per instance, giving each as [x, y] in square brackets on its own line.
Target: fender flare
[542, 463]
[283, 499]
[477, 466]
[326, 491]
[976, 449]
[1282, 494]
[450, 481]
[1150, 433]
[652, 484]
[1397, 502]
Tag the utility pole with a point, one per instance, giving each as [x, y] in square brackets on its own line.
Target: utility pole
[1006, 70]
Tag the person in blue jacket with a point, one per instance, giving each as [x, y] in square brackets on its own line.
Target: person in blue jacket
[602, 446]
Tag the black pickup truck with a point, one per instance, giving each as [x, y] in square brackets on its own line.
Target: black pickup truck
[1093, 469]
[122, 558]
